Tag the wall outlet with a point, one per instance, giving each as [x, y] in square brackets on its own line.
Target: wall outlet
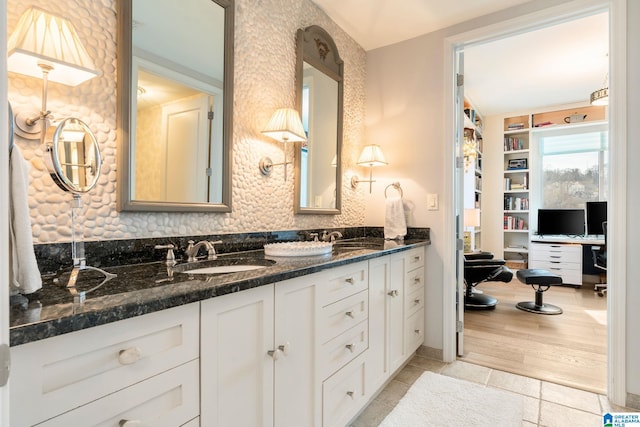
[432, 202]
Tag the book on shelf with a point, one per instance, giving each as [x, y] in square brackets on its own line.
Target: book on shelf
[514, 223]
[515, 126]
[512, 203]
[513, 143]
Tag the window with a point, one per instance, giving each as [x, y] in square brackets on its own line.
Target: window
[574, 167]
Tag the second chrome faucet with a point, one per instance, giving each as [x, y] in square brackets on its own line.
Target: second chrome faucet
[192, 250]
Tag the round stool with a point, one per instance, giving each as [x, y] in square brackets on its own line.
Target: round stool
[541, 281]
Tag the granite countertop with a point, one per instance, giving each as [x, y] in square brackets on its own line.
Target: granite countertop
[145, 288]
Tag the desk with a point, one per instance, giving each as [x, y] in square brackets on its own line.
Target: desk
[568, 256]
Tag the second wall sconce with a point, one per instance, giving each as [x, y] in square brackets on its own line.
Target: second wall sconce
[371, 156]
[285, 126]
[46, 46]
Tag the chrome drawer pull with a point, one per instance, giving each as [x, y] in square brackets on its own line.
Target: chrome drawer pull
[416, 280]
[350, 347]
[393, 293]
[350, 280]
[350, 394]
[416, 301]
[350, 314]
[417, 331]
[130, 423]
[129, 356]
[416, 258]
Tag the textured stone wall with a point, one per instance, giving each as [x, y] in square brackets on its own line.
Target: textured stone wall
[264, 81]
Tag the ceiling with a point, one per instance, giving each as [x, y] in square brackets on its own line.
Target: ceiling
[555, 65]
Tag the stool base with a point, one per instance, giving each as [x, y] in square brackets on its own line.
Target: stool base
[479, 302]
[532, 307]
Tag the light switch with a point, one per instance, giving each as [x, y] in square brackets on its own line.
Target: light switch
[432, 202]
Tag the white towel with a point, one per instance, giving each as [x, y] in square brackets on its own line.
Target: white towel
[395, 225]
[24, 276]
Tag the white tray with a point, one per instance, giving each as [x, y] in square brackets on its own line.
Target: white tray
[298, 248]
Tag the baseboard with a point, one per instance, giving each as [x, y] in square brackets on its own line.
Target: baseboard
[430, 352]
[632, 401]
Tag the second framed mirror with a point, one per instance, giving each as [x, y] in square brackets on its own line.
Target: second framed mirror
[319, 93]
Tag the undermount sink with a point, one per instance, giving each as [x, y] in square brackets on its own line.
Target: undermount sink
[222, 266]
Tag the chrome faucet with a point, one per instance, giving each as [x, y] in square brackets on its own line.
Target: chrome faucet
[192, 250]
[331, 237]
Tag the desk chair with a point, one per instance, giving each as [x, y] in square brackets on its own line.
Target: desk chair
[481, 267]
[600, 261]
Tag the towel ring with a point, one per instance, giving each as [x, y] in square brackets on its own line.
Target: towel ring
[396, 186]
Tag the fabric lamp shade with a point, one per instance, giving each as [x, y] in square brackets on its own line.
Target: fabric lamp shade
[41, 38]
[285, 126]
[372, 156]
[472, 217]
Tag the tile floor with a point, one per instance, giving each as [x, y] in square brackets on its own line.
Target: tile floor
[545, 404]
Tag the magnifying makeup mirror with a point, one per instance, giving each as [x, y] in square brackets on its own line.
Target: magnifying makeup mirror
[74, 162]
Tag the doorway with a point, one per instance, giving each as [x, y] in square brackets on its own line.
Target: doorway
[617, 118]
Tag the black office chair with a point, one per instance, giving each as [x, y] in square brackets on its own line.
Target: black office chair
[478, 268]
[600, 261]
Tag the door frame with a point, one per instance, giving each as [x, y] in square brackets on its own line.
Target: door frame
[4, 217]
[616, 308]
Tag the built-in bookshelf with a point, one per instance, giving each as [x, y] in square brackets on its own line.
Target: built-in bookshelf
[472, 151]
[516, 189]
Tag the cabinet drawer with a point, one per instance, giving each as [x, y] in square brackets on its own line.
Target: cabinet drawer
[413, 301]
[343, 395]
[414, 280]
[343, 315]
[340, 282]
[414, 331]
[560, 253]
[343, 348]
[571, 273]
[414, 258]
[166, 400]
[64, 372]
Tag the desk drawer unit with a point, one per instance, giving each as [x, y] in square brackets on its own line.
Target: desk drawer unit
[564, 260]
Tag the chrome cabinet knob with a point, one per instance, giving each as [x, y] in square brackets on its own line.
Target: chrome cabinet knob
[393, 293]
[350, 394]
[130, 423]
[275, 354]
[350, 347]
[350, 314]
[285, 348]
[350, 280]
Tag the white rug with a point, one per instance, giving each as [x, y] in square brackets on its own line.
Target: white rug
[438, 400]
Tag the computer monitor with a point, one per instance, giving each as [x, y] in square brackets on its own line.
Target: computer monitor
[569, 222]
[596, 215]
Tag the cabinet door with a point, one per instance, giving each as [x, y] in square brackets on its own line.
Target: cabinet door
[297, 389]
[379, 301]
[236, 370]
[399, 265]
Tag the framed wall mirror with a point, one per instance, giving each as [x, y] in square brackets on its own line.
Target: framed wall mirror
[319, 87]
[175, 100]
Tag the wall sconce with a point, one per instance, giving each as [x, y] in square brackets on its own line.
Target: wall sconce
[285, 126]
[46, 46]
[371, 156]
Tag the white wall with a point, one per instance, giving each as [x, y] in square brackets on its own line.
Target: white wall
[405, 115]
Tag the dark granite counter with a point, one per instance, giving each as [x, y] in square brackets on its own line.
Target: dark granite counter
[145, 288]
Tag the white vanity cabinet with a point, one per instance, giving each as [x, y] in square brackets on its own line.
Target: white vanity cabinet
[258, 356]
[144, 369]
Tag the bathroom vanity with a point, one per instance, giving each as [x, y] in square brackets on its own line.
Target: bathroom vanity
[304, 341]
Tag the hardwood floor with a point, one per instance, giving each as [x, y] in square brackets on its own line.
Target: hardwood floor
[568, 349]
